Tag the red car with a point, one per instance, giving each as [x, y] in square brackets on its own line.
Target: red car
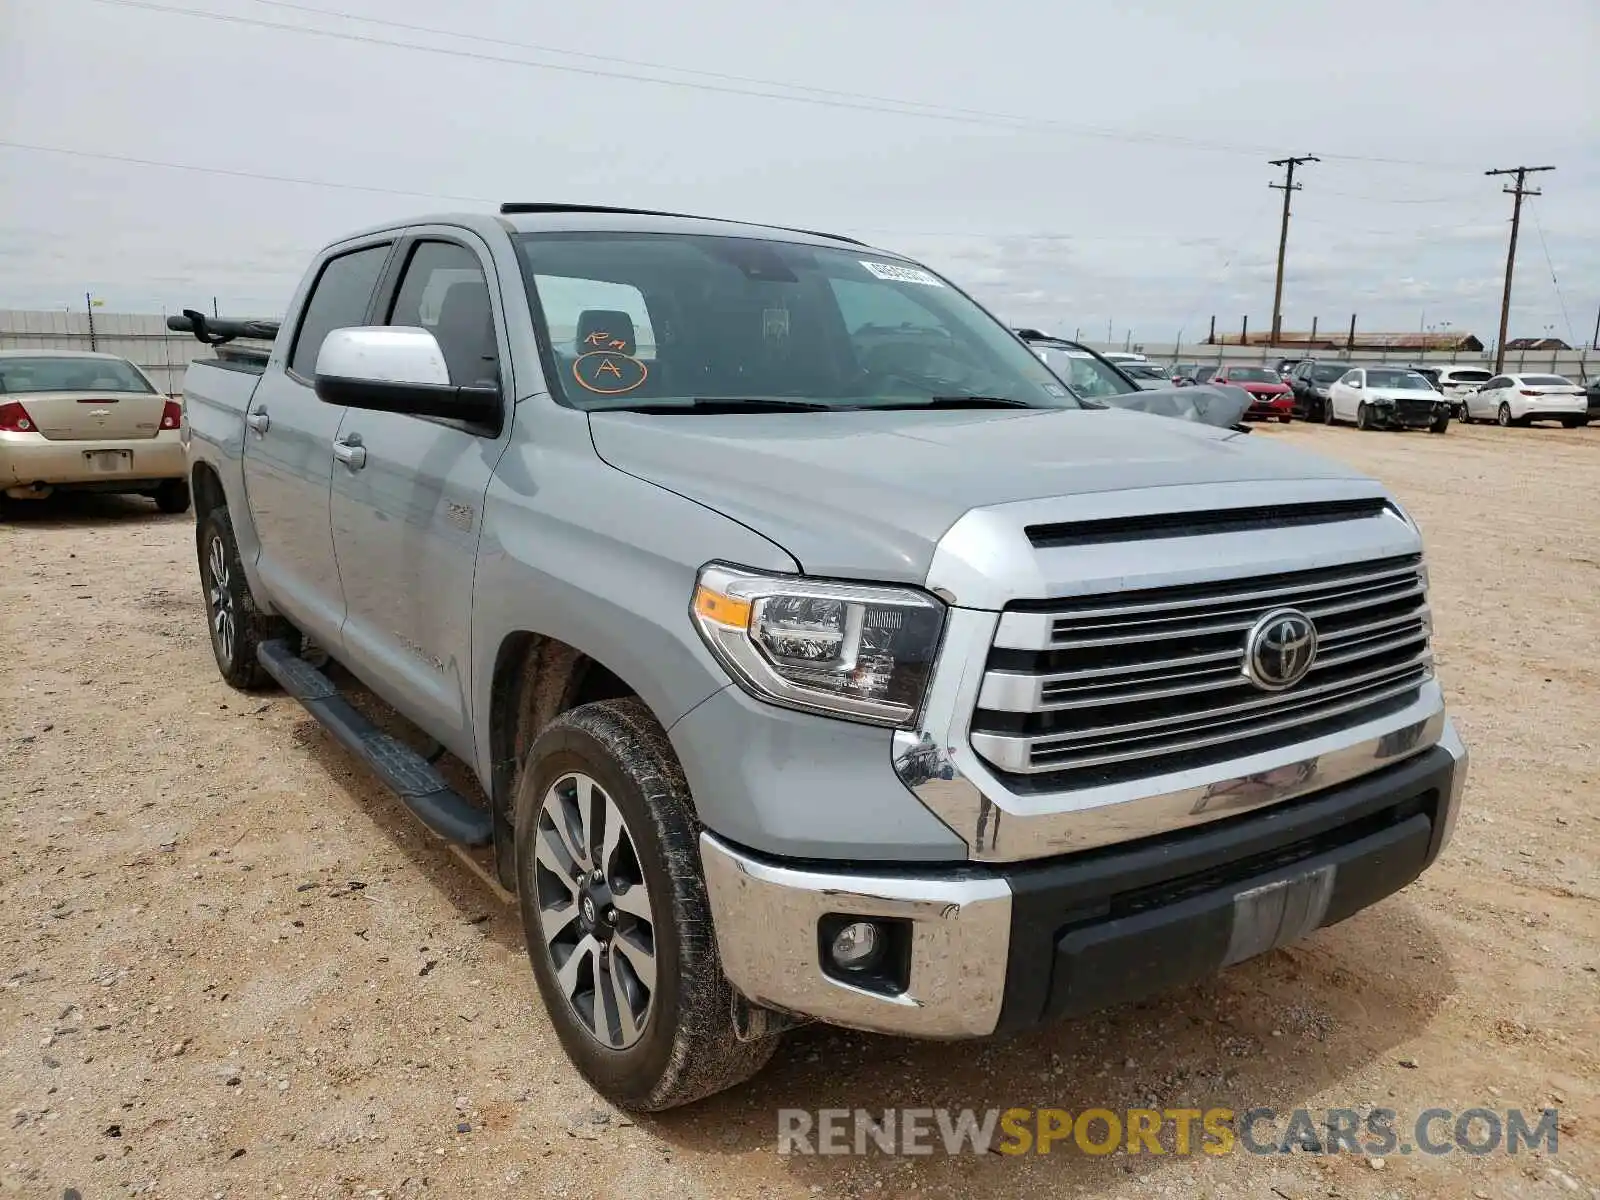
[1270, 396]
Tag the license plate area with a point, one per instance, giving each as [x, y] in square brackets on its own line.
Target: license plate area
[1280, 912]
[109, 462]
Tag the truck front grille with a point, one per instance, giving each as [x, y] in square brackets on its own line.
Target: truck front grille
[1099, 688]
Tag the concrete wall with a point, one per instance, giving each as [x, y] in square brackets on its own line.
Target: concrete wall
[142, 338]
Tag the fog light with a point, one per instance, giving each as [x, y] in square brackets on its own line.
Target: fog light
[857, 946]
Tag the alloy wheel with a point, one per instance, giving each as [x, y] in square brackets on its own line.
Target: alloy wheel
[224, 626]
[594, 910]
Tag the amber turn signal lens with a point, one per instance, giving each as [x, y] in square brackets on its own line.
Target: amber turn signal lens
[724, 610]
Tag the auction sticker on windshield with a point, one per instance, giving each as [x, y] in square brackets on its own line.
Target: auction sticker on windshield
[895, 273]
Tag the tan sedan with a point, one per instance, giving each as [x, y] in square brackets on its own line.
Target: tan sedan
[87, 422]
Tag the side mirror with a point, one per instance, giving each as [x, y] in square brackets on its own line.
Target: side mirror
[398, 369]
[1355, 383]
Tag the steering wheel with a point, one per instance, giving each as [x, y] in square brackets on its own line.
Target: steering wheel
[926, 368]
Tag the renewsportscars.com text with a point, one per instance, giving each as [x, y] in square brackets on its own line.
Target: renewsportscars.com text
[1176, 1131]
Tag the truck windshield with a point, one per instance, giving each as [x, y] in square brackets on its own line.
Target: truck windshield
[20, 375]
[665, 320]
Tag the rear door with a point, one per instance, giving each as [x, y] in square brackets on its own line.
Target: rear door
[406, 520]
[288, 459]
[83, 397]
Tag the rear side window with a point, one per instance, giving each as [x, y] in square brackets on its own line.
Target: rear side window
[338, 300]
[444, 291]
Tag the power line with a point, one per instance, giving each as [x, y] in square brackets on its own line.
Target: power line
[237, 174]
[1519, 191]
[1288, 187]
[828, 98]
[1456, 199]
[1533, 211]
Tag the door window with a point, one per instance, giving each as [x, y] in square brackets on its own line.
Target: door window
[338, 300]
[444, 291]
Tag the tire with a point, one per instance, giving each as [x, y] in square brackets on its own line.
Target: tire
[1285, 419]
[1503, 417]
[236, 625]
[1573, 422]
[1327, 411]
[1442, 425]
[680, 1046]
[1363, 417]
[173, 496]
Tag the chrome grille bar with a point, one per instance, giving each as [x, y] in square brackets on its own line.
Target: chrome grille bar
[1102, 680]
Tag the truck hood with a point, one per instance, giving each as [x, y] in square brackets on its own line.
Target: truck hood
[864, 495]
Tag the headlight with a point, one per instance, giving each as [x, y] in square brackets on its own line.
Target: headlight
[847, 650]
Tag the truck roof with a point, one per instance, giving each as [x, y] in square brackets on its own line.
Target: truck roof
[543, 217]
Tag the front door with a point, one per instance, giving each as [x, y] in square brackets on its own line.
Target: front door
[406, 520]
[288, 452]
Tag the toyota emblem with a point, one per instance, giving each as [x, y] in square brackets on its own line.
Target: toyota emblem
[1280, 649]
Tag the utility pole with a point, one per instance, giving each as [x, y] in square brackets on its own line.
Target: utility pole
[1287, 187]
[1518, 191]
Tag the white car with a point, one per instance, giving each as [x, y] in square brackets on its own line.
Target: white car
[1387, 398]
[1519, 399]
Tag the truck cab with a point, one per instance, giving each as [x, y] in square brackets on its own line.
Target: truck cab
[820, 655]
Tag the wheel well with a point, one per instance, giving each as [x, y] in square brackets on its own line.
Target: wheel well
[205, 489]
[536, 679]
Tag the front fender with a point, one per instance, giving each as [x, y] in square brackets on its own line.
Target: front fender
[577, 550]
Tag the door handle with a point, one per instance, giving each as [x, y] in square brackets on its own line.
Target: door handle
[258, 420]
[351, 452]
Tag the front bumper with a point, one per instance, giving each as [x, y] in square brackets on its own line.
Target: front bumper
[1412, 416]
[996, 949]
[1281, 405]
[27, 458]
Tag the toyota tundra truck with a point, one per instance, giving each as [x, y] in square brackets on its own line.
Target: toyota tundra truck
[820, 654]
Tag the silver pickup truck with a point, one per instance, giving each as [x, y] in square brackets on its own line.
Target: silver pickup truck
[820, 654]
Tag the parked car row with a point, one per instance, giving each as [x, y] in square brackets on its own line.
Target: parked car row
[1382, 397]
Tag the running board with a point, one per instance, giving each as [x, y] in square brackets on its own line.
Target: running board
[405, 772]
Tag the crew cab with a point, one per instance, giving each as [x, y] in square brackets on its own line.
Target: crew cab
[820, 655]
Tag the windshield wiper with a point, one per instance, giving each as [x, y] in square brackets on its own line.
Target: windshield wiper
[957, 402]
[722, 404]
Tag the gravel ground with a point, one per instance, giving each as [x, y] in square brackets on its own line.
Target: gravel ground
[232, 966]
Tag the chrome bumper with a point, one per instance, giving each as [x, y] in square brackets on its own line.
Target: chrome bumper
[768, 918]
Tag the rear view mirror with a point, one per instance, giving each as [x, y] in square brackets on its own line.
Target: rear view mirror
[398, 369]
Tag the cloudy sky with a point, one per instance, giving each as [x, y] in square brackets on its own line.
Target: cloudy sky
[1080, 167]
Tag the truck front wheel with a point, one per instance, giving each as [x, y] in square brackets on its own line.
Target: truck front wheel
[615, 912]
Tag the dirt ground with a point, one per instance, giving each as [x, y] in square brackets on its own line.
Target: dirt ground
[233, 966]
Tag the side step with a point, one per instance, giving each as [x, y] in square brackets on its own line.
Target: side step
[405, 772]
